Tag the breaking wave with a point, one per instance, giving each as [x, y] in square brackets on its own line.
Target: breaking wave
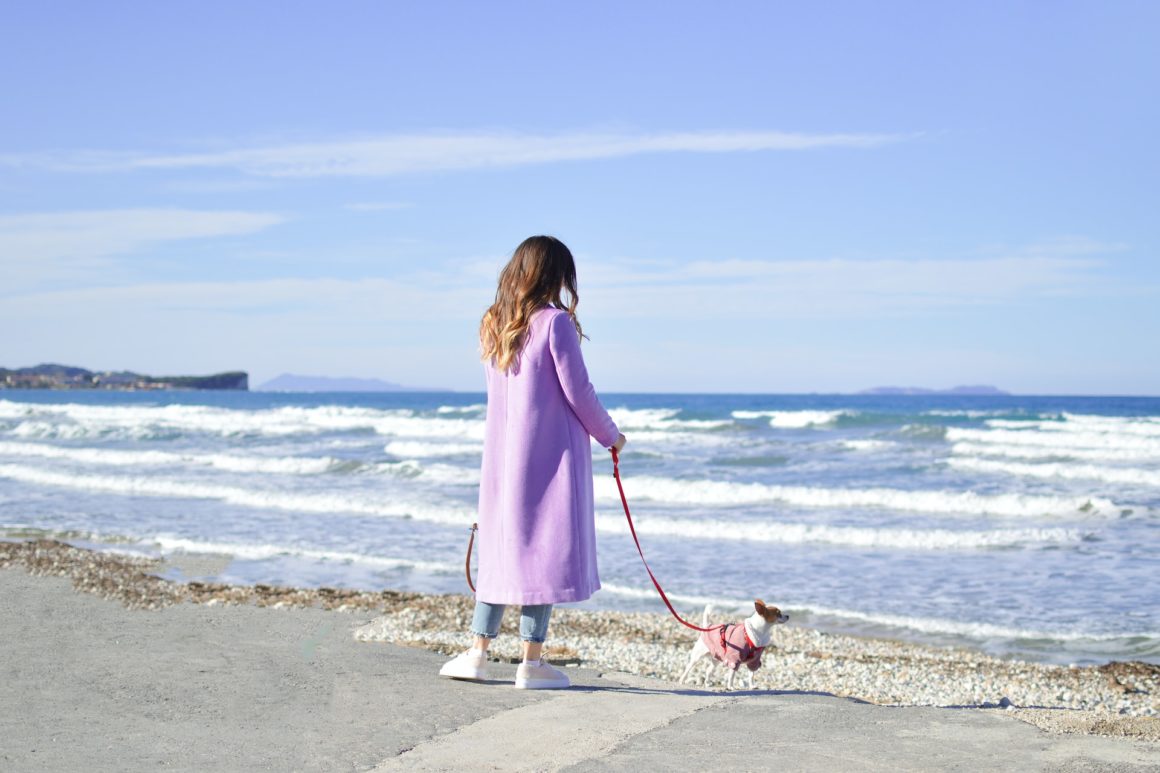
[795, 419]
[721, 493]
[1130, 476]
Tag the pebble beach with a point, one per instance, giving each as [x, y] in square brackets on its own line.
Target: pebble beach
[1119, 699]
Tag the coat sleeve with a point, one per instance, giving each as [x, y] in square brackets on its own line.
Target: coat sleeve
[564, 343]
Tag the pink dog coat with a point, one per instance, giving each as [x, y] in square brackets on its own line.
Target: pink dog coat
[731, 645]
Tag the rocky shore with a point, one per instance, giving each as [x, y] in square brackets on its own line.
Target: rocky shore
[1116, 699]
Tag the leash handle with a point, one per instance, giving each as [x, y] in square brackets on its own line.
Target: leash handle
[632, 528]
[470, 543]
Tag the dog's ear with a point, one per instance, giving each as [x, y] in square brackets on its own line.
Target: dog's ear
[759, 605]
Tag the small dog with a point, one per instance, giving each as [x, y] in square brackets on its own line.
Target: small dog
[736, 644]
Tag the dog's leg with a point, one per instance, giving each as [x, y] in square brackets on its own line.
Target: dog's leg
[729, 681]
[699, 651]
[750, 680]
[693, 658]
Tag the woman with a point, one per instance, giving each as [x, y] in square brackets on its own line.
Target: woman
[537, 532]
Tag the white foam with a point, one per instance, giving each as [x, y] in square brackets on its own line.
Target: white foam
[851, 536]
[1059, 441]
[795, 419]
[289, 465]
[785, 533]
[868, 445]
[718, 603]
[280, 465]
[964, 413]
[476, 408]
[722, 493]
[660, 419]
[339, 502]
[435, 473]
[966, 628]
[423, 450]
[259, 552]
[1145, 426]
[71, 420]
[1130, 476]
[1050, 452]
[928, 625]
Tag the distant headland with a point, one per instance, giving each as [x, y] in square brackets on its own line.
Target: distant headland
[291, 382]
[53, 376]
[959, 390]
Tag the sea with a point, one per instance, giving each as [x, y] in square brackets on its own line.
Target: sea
[1025, 527]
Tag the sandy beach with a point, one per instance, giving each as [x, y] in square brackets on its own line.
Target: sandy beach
[131, 654]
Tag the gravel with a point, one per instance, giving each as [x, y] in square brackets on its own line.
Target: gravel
[1120, 699]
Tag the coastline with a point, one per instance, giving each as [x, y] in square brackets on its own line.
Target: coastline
[1116, 699]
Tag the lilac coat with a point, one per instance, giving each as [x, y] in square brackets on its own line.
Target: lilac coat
[537, 531]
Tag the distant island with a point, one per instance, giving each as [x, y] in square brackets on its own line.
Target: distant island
[290, 382]
[53, 376]
[959, 390]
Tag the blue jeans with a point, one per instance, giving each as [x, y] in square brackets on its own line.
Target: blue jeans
[533, 621]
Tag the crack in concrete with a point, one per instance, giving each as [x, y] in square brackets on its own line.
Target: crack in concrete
[601, 719]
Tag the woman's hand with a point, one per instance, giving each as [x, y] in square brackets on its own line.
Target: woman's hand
[620, 441]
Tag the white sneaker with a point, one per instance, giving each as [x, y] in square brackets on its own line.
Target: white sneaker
[540, 676]
[466, 665]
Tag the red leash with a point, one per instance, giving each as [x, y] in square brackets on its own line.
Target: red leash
[632, 528]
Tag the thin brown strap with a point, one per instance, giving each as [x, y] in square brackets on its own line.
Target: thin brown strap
[470, 542]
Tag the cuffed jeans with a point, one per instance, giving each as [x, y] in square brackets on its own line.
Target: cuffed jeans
[533, 621]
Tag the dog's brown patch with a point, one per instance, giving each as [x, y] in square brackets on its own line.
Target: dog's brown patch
[771, 614]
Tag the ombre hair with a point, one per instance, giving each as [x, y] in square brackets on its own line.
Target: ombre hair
[540, 272]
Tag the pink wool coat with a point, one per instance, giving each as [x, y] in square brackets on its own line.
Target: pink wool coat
[537, 531]
[733, 647]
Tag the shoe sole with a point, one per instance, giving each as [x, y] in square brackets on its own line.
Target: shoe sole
[467, 676]
[542, 685]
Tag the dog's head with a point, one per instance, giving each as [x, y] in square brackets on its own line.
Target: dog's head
[771, 615]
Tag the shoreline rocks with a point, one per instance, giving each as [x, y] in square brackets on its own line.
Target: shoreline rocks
[1116, 699]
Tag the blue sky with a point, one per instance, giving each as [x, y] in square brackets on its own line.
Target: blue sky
[762, 197]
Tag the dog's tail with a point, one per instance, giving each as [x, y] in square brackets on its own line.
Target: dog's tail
[705, 616]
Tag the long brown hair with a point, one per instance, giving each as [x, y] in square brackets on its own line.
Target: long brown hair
[540, 272]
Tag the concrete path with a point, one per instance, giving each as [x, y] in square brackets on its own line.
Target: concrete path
[88, 685]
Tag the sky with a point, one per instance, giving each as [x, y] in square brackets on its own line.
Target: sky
[761, 197]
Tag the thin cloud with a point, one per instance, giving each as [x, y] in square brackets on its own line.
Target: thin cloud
[42, 245]
[390, 155]
[812, 289]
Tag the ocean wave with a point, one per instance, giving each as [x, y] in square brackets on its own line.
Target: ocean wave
[1060, 442]
[421, 450]
[287, 465]
[1145, 426]
[432, 473]
[848, 536]
[476, 408]
[723, 493]
[924, 431]
[795, 419]
[339, 502]
[974, 414]
[232, 463]
[72, 420]
[662, 419]
[966, 628]
[722, 606]
[344, 502]
[1129, 476]
[1048, 452]
[868, 445]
